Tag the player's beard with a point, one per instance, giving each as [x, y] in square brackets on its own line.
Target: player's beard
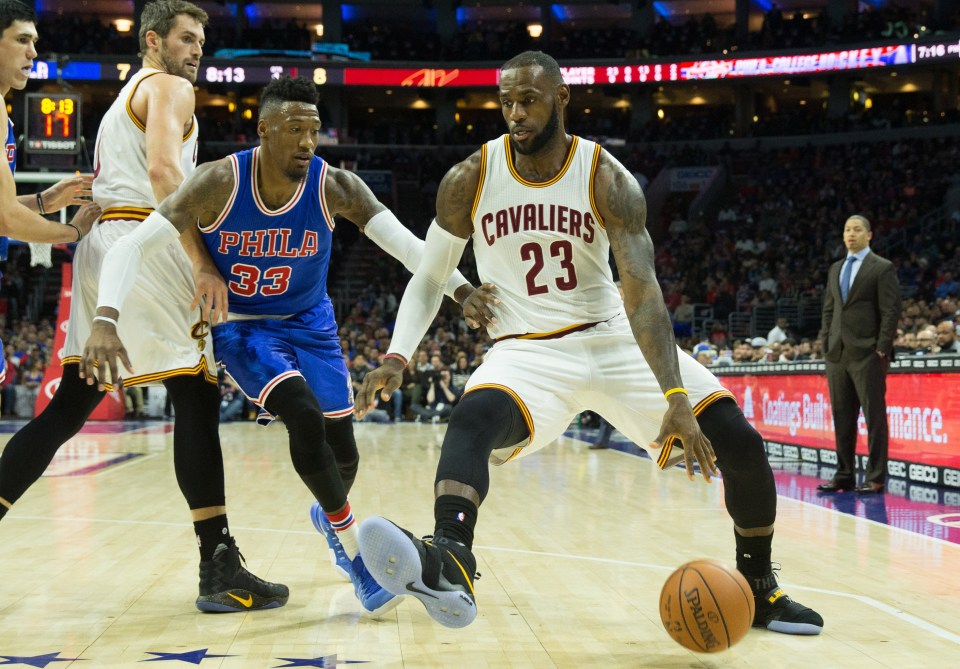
[542, 138]
[175, 68]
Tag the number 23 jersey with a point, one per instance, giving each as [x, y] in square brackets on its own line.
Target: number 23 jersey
[275, 262]
[543, 245]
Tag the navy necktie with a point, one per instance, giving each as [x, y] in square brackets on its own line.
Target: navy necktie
[845, 278]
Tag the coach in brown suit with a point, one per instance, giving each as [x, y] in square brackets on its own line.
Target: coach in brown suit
[861, 307]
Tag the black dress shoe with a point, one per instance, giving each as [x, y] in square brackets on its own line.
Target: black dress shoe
[870, 489]
[837, 485]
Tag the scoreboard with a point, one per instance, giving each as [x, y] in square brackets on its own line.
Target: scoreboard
[437, 75]
[52, 123]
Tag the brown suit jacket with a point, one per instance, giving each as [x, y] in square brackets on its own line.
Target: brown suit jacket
[868, 321]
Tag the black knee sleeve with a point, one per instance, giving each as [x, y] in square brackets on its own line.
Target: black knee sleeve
[31, 449]
[749, 489]
[482, 422]
[197, 458]
[313, 459]
[344, 446]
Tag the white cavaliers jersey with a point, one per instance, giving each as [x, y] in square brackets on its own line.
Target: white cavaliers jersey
[121, 185]
[543, 245]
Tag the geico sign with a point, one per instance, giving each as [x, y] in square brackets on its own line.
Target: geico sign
[828, 457]
[924, 473]
[951, 477]
[923, 494]
[897, 487]
[895, 468]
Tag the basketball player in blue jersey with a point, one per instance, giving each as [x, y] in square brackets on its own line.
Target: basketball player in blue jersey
[145, 146]
[20, 216]
[544, 210]
[267, 218]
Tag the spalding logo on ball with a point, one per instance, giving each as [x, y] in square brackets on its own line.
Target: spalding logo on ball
[706, 606]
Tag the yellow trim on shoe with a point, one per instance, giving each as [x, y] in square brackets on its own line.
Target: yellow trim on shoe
[464, 572]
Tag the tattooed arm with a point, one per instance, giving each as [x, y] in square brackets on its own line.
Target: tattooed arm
[621, 203]
[199, 199]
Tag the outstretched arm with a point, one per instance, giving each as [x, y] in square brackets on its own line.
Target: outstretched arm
[621, 203]
[444, 246]
[76, 190]
[348, 196]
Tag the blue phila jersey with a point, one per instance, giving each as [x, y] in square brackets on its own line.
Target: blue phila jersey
[12, 162]
[275, 262]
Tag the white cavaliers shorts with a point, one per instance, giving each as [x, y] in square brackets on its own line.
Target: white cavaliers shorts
[163, 337]
[599, 369]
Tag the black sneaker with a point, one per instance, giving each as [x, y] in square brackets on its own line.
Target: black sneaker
[437, 571]
[778, 613]
[226, 586]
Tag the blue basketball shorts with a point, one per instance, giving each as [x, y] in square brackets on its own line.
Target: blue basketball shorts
[258, 354]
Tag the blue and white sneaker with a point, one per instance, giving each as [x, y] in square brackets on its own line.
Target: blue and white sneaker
[338, 557]
[375, 600]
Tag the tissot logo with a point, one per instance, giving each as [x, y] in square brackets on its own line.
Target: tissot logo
[924, 473]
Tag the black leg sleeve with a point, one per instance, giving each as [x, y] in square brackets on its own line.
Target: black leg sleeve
[749, 489]
[30, 450]
[344, 446]
[197, 458]
[313, 459]
[482, 422]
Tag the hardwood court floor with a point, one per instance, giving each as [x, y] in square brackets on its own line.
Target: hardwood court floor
[98, 563]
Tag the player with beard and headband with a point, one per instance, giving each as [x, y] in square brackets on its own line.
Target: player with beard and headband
[267, 218]
[145, 146]
[544, 210]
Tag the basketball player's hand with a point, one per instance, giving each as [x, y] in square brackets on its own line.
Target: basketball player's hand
[386, 378]
[99, 361]
[76, 190]
[680, 422]
[476, 308]
[86, 216]
[211, 294]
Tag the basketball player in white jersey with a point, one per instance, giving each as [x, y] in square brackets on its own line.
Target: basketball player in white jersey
[145, 147]
[544, 210]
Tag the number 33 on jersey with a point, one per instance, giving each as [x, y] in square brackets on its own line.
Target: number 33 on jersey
[269, 269]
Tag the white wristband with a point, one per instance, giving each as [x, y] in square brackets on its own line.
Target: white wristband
[106, 319]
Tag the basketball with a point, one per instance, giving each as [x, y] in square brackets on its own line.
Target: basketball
[706, 606]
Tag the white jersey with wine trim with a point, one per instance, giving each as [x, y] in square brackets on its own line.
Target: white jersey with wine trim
[543, 244]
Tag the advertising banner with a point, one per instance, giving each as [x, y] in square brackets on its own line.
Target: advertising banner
[793, 413]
